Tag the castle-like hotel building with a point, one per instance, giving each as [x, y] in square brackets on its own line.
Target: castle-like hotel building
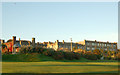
[84, 45]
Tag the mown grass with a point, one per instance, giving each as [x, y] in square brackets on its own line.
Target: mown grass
[39, 63]
[59, 67]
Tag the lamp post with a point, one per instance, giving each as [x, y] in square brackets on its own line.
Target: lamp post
[71, 43]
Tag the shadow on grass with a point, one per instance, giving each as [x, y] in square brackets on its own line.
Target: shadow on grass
[60, 74]
[77, 65]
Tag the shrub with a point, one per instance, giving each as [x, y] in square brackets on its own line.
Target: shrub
[49, 52]
[91, 56]
[23, 50]
[77, 56]
[38, 49]
[108, 58]
[31, 49]
[58, 55]
[99, 56]
[69, 55]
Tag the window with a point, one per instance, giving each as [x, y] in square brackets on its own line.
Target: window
[98, 48]
[93, 48]
[16, 50]
[88, 48]
[98, 44]
[114, 45]
[109, 44]
[93, 44]
[88, 43]
[9, 45]
[105, 44]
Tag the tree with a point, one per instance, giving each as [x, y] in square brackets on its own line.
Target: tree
[74, 48]
[96, 51]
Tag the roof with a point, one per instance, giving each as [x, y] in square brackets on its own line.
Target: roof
[18, 40]
[101, 41]
[17, 45]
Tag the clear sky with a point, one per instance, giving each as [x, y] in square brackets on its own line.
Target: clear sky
[50, 21]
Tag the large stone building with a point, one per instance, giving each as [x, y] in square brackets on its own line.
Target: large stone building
[92, 45]
[64, 45]
[84, 45]
[13, 45]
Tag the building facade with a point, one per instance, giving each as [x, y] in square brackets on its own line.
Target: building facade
[13, 45]
[92, 45]
[64, 45]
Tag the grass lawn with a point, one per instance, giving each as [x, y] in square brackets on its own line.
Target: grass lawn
[43, 58]
[59, 67]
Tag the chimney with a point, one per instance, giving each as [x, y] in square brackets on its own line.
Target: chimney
[57, 41]
[37, 43]
[33, 41]
[14, 40]
[20, 41]
[95, 40]
[2, 41]
[48, 42]
[63, 41]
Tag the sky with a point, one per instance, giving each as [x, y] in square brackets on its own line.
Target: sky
[51, 21]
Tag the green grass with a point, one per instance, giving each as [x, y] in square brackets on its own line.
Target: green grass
[40, 58]
[59, 67]
[25, 58]
[39, 63]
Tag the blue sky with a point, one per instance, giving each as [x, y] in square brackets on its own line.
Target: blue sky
[49, 21]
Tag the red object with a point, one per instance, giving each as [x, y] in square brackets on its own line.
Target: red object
[9, 47]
